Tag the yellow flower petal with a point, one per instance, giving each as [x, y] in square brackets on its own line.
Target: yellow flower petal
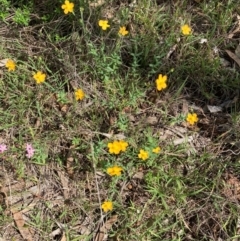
[192, 118]
[10, 64]
[107, 206]
[67, 7]
[39, 77]
[123, 31]
[143, 155]
[161, 82]
[103, 24]
[186, 29]
[156, 150]
[114, 171]
[117, 146]
[79, 94]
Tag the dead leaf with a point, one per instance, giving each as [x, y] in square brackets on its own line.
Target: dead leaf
[64, 108]
[64, 181]
[102, 233]
[3, 62]
[236, 30]
[70, 166]
[24, 230]
[63, 237]
[232, 188]
[74, 84]
[100, 174]
[203, 40]
[38, 123]
[119, 136]
[109, 136]
[131, 118]
[214, 109]
[152, 120]
[234, 57]
[96, 3]
[237, 51]
[172, 49]
[55, 233]
[185, 107]
[138, 175]
[112, 120]
[182, 140]
[109, 223]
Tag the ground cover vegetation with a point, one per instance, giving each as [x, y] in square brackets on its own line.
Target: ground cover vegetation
[119, 120]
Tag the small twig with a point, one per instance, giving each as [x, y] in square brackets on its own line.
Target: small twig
[173, 154]
[234, 153]
[95, 175]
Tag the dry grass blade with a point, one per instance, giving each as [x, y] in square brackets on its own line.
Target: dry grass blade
[234, 57]
[65, 184]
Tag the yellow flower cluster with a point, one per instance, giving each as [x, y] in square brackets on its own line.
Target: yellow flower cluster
[40, 77]
[114, 171]
[192, 118]
[104, 25]
[116, 147]
[69, 6]
[144, 155]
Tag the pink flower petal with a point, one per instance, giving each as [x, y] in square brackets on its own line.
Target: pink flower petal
[3, 148]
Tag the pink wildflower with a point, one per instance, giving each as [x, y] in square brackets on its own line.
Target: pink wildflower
[3, 148]
[30, 150]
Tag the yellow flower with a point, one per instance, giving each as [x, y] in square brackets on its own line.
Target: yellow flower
[192, 118]
[117, 146]
[186, 30]
[79, 94]
[123, 145]
[161, 82]
[143, 155]
[114, 171]
[103, 24]
[39, 77]
[107, 206]
[114, 147]
[123, 31]
[68, 7]
[156, 150]
[10, 64]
